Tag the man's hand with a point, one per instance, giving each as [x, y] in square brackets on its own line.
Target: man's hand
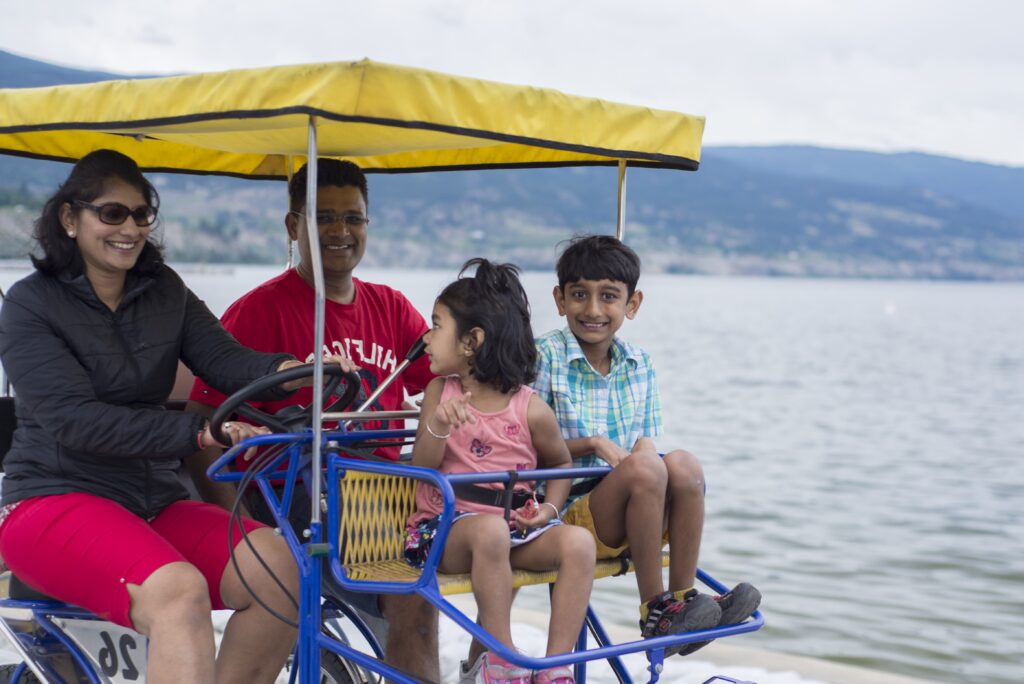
[347, 365]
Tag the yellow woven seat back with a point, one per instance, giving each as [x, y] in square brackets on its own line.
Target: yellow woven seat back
[373, 512]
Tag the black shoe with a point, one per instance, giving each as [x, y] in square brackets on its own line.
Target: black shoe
[738, 604]
[668, 615]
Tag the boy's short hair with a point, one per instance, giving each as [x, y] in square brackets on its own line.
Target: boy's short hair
[598, 257]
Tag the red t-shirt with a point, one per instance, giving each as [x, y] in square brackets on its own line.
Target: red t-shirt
[375, 330]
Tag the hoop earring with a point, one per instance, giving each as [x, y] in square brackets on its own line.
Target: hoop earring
[291, 256]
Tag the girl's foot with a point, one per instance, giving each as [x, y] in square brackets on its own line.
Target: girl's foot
[554, 675]
[496, 670]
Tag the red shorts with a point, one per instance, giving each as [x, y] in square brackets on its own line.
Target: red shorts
[83, 549]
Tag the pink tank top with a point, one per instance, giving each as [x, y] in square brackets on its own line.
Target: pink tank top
[495, 442]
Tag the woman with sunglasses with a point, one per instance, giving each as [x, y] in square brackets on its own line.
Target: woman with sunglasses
[92, 511]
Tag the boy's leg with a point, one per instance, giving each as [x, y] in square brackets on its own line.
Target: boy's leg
[480, 545]
[628, 507]
[638, 481]
[570, 551]
[685, 502]
[685, 525]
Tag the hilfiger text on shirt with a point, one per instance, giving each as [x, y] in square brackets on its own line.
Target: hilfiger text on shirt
[362, 352]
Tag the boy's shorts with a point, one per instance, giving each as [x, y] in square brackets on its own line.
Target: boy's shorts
[579, 514]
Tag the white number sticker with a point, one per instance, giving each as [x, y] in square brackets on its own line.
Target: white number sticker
[118, 653]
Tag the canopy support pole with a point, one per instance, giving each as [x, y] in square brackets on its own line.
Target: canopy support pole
[5, 383]
[313, 237]
[310, 566]
[620, 224]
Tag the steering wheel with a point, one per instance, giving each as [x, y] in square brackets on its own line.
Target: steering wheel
[289, 417]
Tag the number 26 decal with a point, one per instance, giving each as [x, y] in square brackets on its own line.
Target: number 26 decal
[108, 656]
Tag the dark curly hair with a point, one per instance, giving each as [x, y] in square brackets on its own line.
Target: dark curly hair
[598, 257]
[494, 300]
[87, 181]
[329, 173]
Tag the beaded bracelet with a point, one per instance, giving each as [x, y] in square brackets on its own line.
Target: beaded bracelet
[558, 513]
[434, 434]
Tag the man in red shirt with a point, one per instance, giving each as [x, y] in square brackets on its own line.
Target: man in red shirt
[373, 325]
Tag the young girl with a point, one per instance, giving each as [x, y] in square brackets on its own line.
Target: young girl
[481, 416]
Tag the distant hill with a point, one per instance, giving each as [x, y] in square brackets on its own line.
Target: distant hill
[783, 210]
[997, 187]
[21, 72]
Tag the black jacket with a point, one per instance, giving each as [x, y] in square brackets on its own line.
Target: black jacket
[90, 384]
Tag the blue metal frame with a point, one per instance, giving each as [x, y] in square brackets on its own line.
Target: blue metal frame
[43, 613]
[308, 553]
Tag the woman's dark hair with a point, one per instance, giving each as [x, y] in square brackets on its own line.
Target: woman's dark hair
[329, 172]
[87, 181]
[494, 300]
[598, 257]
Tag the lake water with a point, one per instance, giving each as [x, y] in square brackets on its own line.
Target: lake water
[864, 447]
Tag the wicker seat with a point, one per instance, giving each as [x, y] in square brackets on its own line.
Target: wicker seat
[374, 511]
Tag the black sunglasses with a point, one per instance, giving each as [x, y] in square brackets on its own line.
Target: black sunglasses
[115, 213]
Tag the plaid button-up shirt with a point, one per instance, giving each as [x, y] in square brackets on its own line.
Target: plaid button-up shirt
[623, 405]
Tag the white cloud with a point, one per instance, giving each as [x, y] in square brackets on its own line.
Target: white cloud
[940, 76]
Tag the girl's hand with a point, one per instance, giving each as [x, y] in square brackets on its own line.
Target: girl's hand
[532, 514]
[236, 431]
[451, 414]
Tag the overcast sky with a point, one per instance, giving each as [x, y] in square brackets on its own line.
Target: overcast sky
[939, 76]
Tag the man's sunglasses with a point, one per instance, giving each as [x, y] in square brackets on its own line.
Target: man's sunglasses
[115, 213]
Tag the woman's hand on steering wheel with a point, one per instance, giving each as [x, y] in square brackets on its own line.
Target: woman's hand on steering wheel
[235, 431]
[347, 365]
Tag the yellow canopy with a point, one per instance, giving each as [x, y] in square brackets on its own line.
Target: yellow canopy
[385, 118]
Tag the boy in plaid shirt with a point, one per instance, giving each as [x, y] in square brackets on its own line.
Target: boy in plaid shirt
[604, 393]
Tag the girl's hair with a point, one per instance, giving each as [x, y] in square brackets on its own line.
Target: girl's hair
[494, 301]
[88, 180]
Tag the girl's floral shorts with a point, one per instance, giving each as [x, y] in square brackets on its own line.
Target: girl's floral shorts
[419, 537]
